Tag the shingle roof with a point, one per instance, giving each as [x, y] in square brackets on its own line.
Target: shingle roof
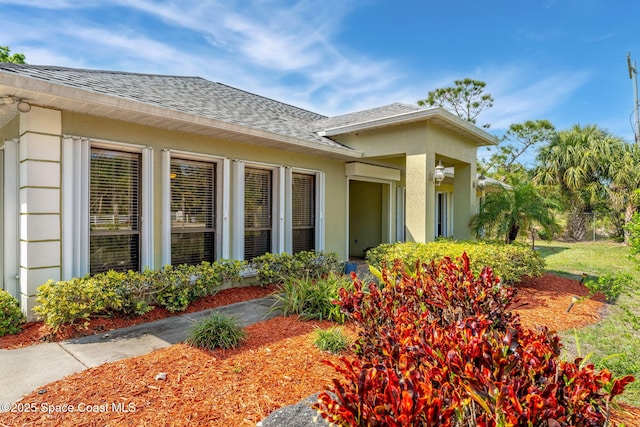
[210, 100]
[364, 116]
[192, 95]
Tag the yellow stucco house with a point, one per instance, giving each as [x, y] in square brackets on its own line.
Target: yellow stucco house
[102, 170]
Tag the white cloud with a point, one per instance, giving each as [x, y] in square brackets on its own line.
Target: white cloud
[276, 41]
[524, 93]
[284, 49]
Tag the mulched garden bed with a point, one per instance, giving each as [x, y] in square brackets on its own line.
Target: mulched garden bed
[277, 366]
[38, 332]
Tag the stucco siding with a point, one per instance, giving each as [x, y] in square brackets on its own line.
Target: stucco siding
[160, 139]
[10, 130]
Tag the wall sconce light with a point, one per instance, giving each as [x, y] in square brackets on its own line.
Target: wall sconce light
[480, 182]
[24, 106]
[438, 174]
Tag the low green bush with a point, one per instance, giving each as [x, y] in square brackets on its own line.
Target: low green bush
[216, 331]
[509, 262]
[131, 293]
[332, 340]
[611, 285]
[75, 299]
[277, 268]
[11, 317]
[312, 298]
[172, 287]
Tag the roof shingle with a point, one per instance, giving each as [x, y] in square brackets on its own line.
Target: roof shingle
[191, 95]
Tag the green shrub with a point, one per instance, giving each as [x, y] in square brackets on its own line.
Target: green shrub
[132, 293]
[11, 317]
[510, 262]
[222, 271]
[216, 331]
[135, 289]
[333, 340]
[75, 299]
[312, 298]
[318, 263]
[277, 268]
[176, 287]
[611, 285]
[423, 359]
[633, 228]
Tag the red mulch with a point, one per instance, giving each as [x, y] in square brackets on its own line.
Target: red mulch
[278, 365]
[545, 301]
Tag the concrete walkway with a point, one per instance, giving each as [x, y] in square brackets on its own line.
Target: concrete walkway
[26, 369]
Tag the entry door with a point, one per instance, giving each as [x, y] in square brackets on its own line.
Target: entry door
[443, 215]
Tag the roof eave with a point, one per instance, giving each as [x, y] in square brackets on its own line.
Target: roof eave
[52, 95]
[437, 115]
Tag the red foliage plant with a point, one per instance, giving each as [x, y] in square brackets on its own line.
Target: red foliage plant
[438, 347]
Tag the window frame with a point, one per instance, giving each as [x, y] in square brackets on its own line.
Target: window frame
[76, 240]
[313, 211]
[136, 231]
[211, 211]
[274, 208]
[221, 200]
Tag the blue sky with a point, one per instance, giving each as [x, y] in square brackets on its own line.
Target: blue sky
[561, 60]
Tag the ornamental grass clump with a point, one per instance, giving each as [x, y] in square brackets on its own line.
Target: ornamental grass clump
[438, 347]
[216, 331]
[332, 340]
[312, 298]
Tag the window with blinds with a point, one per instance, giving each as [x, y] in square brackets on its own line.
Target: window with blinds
[257, 212]
[114, 211]
[193, 233]
[303, 210]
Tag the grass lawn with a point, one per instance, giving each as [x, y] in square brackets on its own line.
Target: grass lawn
[614, 342]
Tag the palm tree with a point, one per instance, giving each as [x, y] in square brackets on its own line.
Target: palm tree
[624, 170]
[577, 162]
[508, 211]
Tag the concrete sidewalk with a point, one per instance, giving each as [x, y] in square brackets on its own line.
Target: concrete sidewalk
[26, 369]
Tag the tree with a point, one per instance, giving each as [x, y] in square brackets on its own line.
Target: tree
[17, 58]
[623, 193]
[507, 212]
[466, 99]
[577, 161]
[519, 139]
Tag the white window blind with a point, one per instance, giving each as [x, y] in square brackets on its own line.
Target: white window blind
[303, 211]
[258, 207]
[114, 210]
[193, 233]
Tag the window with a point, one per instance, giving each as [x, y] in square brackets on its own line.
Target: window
[258, 206]
[303, 211]
[193, 233]
[114, 210]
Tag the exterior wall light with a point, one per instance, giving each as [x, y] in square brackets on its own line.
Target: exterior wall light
[438, 174]
[480, 182]
[24, 106]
